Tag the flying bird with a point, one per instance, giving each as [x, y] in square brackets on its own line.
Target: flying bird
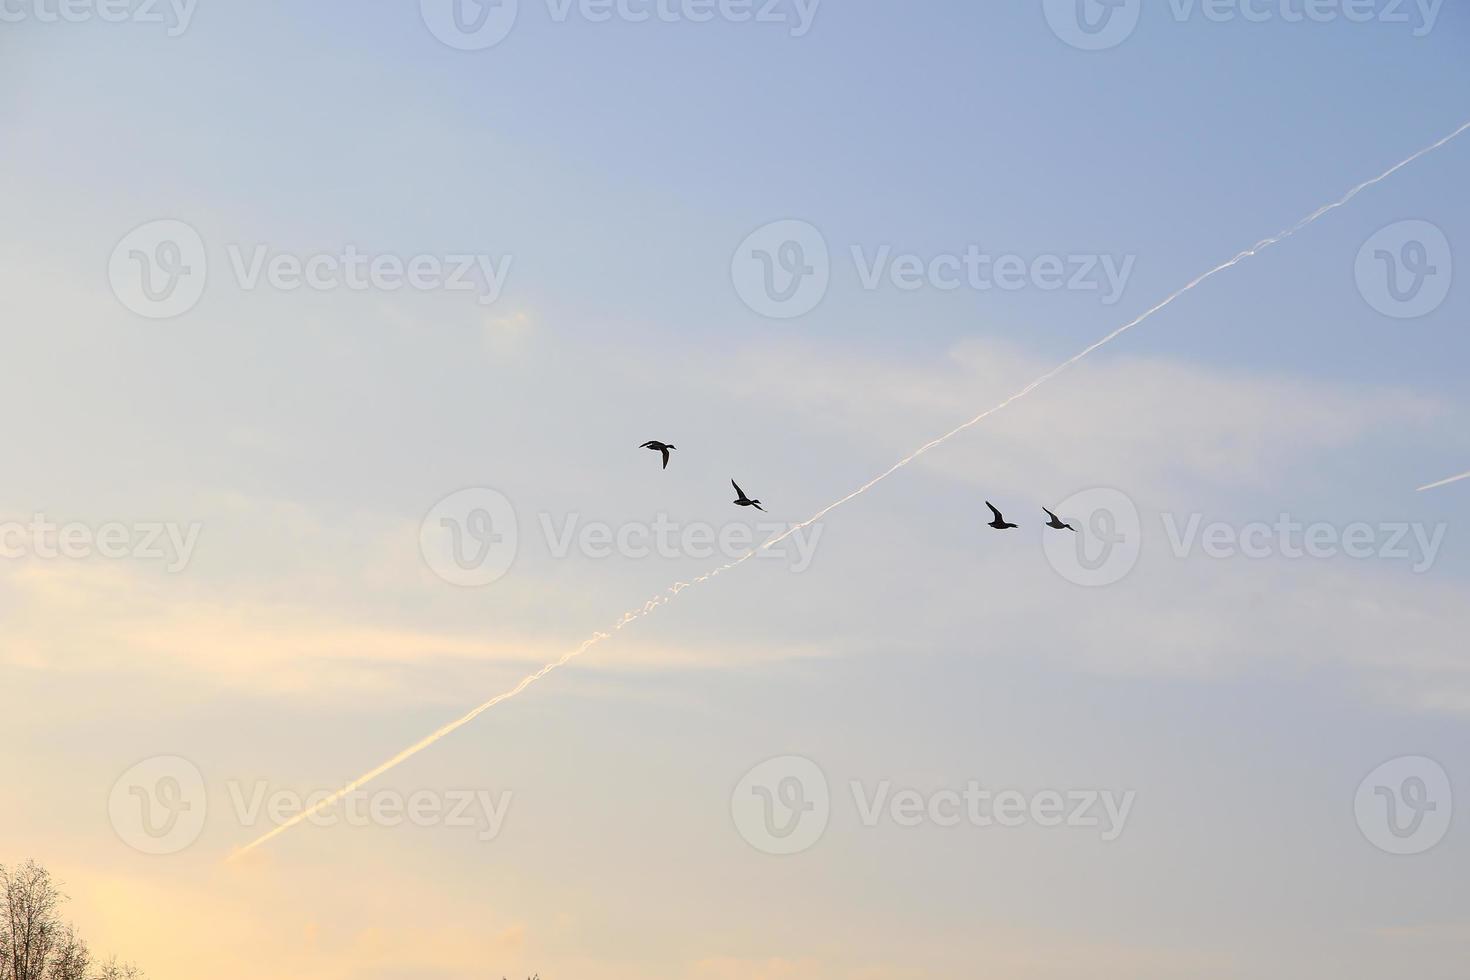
[659, 447]
[649, 607]
[743, 501]
[1000, 523]
[1056, 523]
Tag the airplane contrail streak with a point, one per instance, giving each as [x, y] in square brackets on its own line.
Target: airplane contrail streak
[668, 595]
[1445, 483]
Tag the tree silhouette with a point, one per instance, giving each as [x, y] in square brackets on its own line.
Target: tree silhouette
[35, 944]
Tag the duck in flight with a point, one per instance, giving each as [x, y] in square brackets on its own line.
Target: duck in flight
[659, 447]
[1000, 523]
[1056, 523]
[743, 501]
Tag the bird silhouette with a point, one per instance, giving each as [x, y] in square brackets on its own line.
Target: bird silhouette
[743, 501]
[1000, 523]
[659, 447]
[1056, 523]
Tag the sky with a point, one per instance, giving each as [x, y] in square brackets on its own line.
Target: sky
[310, 524]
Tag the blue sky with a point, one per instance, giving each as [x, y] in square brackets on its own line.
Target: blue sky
[620, 165]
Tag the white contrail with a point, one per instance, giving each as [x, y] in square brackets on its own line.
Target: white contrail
[667, 596]
[1445, 483]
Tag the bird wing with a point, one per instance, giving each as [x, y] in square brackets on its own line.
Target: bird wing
[665, 451]
[1051, 515]
[740, 493]
[993, 510]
